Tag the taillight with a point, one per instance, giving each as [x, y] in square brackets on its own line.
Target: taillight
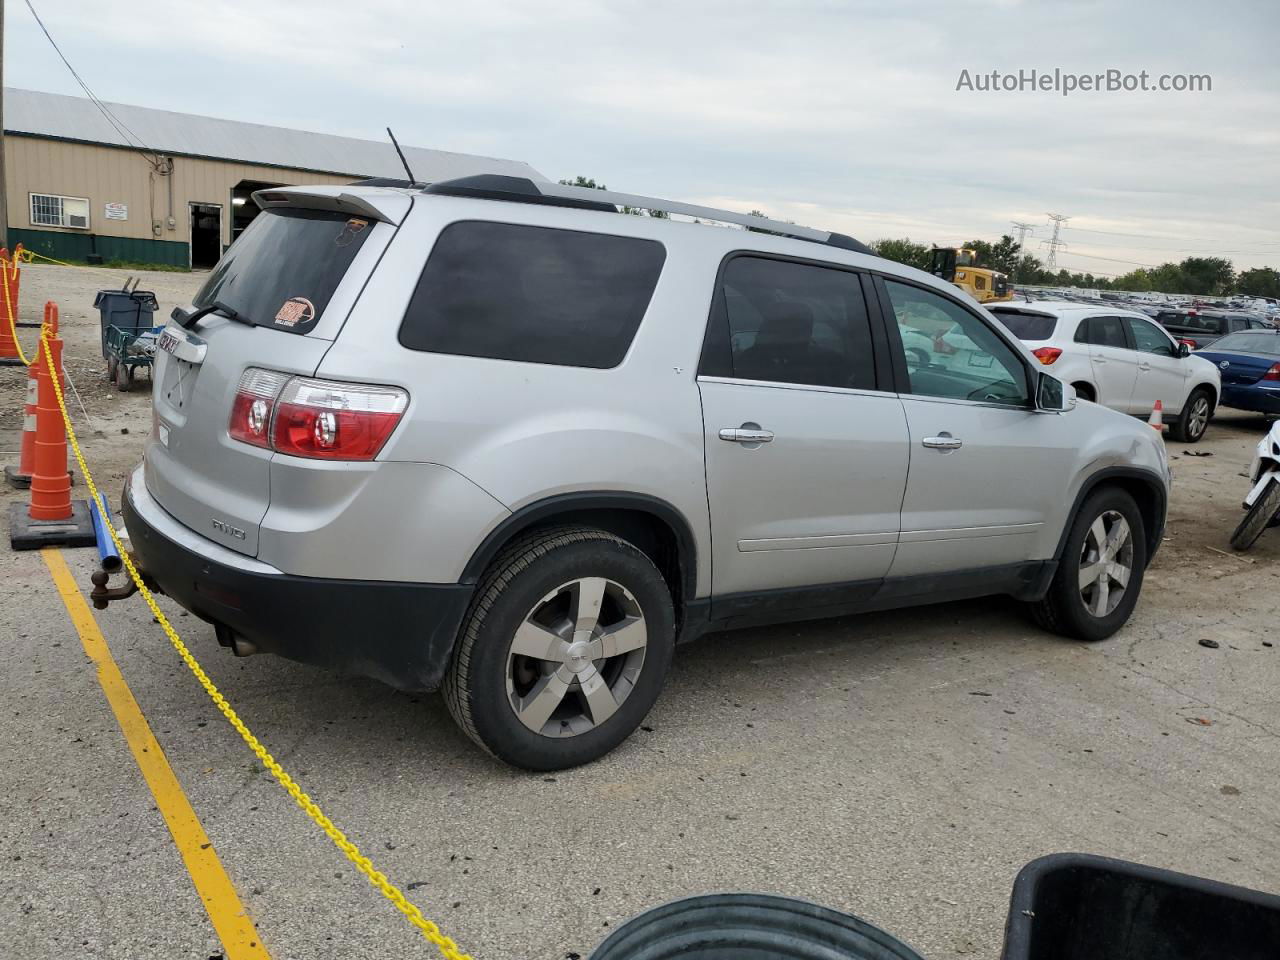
[251, 409]
[1047, 355]
[327, 420]
[1273, 373]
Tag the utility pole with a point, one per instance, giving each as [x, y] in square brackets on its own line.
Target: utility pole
[4, 183]
[1055, 242]
[1022, 228]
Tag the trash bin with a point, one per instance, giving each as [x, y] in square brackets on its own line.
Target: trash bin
[749, 926]
[1072, 906]
[130, 310]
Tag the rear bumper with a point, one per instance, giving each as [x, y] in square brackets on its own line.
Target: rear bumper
[1251, 398]
[399, 633]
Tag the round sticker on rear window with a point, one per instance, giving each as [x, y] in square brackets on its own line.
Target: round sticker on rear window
[294, 311]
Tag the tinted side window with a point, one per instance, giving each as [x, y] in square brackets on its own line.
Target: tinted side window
[951, 353]
[1148, 339]
[535, 294]
[1103, 332]
[796, 323]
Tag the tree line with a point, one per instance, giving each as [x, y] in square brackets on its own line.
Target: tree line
[1202, 276]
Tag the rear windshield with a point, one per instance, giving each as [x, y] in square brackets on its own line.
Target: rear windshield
[1027, 326]
[1262, 342]
[283, 269]
[536, 294]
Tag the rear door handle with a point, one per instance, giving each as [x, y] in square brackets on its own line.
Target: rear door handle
[1099, 359]
[943, 441]
[1144, 366]
[745, 434]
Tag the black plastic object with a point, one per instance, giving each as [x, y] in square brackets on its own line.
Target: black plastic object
[495, 186]
[130, 311]
[749, 926]
[1072, 906]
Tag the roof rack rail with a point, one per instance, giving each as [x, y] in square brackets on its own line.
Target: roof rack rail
[389, 182]
[523, 190]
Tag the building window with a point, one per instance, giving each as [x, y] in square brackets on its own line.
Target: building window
[49, 210]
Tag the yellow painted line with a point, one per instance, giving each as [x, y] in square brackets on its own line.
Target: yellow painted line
[228, 915]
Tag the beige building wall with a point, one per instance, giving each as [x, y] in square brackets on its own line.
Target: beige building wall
[105, 175]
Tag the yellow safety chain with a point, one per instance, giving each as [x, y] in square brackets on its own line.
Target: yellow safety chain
[448, 949]
[13, 320]
[27, 256]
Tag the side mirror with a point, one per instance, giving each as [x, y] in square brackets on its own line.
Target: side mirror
[1054, 396]
[1184, 350]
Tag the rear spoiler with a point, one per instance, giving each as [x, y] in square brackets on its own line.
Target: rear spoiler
[387, 208]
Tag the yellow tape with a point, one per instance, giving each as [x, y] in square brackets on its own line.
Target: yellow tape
[448, 949]
[13, 321]
[30, 255]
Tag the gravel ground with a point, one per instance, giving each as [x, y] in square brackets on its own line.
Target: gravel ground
[901, 766]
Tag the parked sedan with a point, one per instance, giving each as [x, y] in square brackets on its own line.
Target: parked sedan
[1249, 364]
[1118, 358]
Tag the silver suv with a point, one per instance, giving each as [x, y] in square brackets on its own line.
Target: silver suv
[493, 436]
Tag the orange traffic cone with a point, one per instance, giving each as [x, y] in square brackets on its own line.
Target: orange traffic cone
[20, 476]
[9, 355]
[52, 519]
[1156, 420]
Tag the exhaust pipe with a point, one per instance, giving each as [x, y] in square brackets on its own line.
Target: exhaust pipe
[239, 646]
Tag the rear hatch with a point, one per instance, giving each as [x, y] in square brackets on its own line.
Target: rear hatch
[282, 293]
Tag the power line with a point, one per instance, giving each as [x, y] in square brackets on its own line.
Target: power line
[130, 138]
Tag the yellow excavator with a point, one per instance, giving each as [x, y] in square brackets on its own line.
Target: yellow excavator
[959, 266]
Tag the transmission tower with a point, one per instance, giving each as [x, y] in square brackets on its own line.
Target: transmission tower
[1055, 241]
[1023, 229]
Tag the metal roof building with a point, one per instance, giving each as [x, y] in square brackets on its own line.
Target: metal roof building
[79, 190]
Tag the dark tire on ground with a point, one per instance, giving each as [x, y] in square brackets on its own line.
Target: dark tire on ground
[1258, 518]
[478, 686]
[1063, 610]
[1085, 392]
[124, 377]
[1194, 419]
[112, 363]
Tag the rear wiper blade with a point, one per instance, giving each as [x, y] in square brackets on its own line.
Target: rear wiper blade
[188, 319]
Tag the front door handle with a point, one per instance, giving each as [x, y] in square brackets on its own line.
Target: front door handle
[747, 433]
[1144, 366]
[943, 441]
[1099, 359]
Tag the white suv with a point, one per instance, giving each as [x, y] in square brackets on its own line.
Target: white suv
[496, 437]
[1120, 359]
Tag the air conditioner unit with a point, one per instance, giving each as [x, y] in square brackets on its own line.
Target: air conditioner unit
[75, 221]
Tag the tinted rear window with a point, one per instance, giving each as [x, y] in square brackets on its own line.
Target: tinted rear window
[283, 269]
[1027, 326]
[536, 294]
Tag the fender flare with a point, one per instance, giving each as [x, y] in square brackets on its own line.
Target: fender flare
[1147, 477]
[533, 513]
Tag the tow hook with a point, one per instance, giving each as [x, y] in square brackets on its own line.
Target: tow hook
[101, 594]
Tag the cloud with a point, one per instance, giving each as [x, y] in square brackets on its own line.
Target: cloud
[838, 114]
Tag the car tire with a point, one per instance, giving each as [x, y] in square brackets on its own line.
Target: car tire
[540, 593]
[1194, 419]
[1091, 612]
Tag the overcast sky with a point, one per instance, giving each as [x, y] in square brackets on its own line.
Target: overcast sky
[841, 115]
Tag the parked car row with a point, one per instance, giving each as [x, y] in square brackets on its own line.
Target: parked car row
[495, 437]
[1120, 359]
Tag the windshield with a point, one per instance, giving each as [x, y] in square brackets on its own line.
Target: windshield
[284, 268]
[1027, 326]
[1268, 344]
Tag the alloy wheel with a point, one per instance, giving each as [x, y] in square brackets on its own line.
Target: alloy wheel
[1198, 419]
[576, 657]
[1106, 563]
